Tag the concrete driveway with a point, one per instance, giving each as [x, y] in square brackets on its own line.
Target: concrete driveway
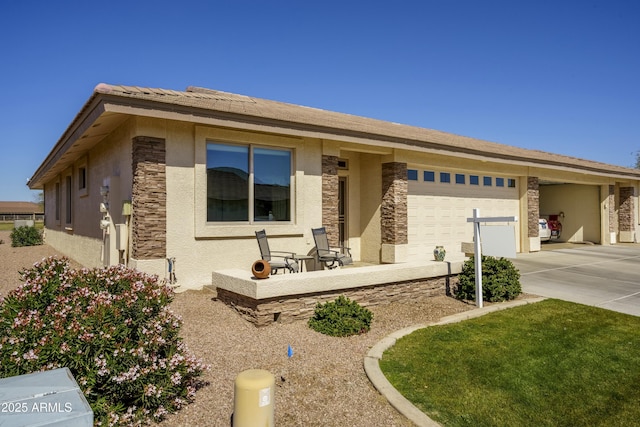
[601, 276]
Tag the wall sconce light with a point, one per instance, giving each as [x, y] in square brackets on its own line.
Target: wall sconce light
[561, 215]
[104, 190]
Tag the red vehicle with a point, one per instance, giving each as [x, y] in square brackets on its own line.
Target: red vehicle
[555, 226]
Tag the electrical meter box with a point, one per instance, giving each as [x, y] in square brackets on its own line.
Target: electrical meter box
[121, 237]
[50, 398]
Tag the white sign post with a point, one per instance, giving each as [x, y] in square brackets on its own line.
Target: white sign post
[477, 253]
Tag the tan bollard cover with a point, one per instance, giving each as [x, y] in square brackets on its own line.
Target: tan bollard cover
[253, 399]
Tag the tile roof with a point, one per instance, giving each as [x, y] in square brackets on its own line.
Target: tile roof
[20, 208]
[349, 125]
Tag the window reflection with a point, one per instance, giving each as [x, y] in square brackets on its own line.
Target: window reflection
[228, 190]
[227, 183]
[272, 185]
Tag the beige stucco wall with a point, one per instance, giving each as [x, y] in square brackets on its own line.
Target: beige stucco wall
[109, 162]
[581, 207]
[370, 196]
[84, 250]
[201, 248]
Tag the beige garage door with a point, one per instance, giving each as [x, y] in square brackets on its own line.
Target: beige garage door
[438, 211]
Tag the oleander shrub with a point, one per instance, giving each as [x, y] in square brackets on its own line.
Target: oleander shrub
[112, 328]
[26, 236]
[500, 280]
[341, 318]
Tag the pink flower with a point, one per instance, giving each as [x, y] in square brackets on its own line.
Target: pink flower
[176, 378]
[30, 355]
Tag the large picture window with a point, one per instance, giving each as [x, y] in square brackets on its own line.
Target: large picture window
[246, 183]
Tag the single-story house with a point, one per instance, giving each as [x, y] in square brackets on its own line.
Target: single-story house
[10, 211]
[142, 175]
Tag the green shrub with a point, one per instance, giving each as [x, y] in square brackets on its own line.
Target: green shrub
[26, 236]
[500, 280]
[111, 327]
[341, 318]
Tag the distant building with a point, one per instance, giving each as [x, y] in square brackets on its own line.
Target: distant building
[10, 211]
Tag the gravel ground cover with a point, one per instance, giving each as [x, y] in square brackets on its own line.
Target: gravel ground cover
[322, 384]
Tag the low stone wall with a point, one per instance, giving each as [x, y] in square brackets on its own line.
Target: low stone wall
[290, 308]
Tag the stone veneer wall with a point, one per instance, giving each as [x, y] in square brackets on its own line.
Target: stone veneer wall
[149, 198]
[625, 214]
[301, 307]
[611, 202]
[395, 187]
[330, 213]
[533, 203]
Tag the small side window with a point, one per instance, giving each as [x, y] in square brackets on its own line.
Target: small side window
[412, 175]
[511, 183]
[474, 180]
[82, 178]
[445, 177]
[499, 182]
[487, 181]
[460, 178]
[429, 176]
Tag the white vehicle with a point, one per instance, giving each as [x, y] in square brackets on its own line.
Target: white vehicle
[544, 230]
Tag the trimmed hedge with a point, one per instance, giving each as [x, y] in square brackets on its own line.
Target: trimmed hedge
[500, 280]
[341, 318]
[26, 236]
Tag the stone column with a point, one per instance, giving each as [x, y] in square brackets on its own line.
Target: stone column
[330, 213]
[626, 214]
[394, 203]
[533, 201]
[149, 198]
[611, 202]
[393, 211]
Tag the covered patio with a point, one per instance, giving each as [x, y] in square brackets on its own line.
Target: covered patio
[290, 297]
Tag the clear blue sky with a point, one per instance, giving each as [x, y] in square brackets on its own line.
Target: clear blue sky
[559, 76]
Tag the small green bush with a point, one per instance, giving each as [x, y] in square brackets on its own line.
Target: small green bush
[500, 280]
[26, 236]
[341, 318]
[111, 327]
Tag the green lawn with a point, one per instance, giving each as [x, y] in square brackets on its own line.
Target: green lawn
[551, 363]
[8, 226]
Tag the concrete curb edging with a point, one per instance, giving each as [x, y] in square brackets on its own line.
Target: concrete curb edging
[384, 387]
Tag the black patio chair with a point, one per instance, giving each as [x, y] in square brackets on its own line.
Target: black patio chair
[330, 257]
[288, 262]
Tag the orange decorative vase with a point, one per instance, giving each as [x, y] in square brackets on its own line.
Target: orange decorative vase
[261, 269]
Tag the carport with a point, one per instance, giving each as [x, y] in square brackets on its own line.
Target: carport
[577, 207]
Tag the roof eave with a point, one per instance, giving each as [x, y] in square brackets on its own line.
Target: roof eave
[150, 108]
[103, 99]
[88, 114]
